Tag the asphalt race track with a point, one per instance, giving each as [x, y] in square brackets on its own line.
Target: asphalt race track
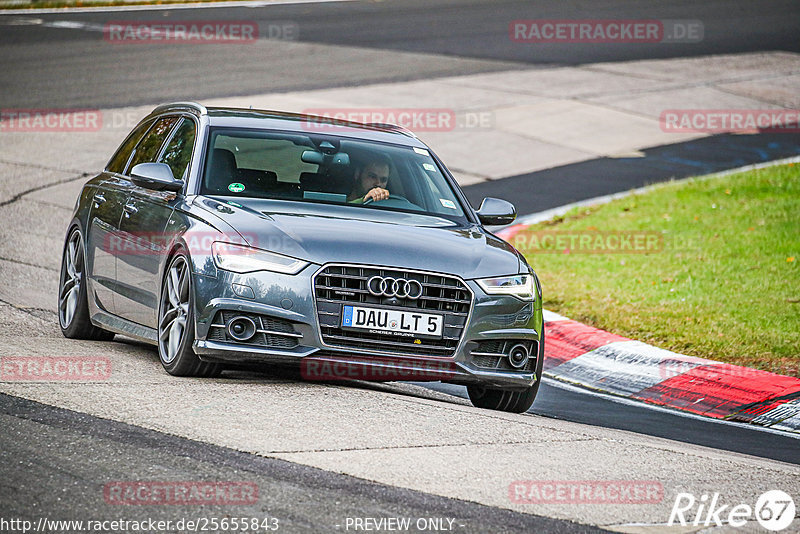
[60, 444]
[66, 438]
[605, 176]
[343, 44]
[570, 403]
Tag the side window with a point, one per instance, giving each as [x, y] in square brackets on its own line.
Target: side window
[280, 156]
[147, 149]
[179, 150]
[123, 154]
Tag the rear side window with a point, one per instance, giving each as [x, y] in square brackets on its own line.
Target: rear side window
[120, 159]
[179, 149]
[281, 156]
[147, 150]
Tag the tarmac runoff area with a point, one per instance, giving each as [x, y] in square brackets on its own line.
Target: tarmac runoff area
[397, 434]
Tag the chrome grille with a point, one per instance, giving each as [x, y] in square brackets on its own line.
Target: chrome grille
[337, 285]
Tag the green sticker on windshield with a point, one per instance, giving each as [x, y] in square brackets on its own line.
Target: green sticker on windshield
[236, 187]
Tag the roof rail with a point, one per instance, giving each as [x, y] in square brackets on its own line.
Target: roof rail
[192, 106]
[393, 127]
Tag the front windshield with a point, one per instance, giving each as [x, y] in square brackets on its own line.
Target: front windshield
[327, 169]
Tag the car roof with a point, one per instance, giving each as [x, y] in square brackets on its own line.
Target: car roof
[232, 117]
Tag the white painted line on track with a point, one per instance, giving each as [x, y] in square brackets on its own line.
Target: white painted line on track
[630, 402]
[163, 7]
[72, 25]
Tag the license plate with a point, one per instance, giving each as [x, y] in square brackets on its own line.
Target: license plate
[394, 322]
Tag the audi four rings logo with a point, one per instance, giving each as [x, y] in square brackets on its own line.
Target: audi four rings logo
[394, 287]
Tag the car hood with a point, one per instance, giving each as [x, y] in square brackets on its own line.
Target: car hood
[343, 234]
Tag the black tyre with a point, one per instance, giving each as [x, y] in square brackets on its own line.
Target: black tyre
[73, 307]
[176, 323]
[515, 401]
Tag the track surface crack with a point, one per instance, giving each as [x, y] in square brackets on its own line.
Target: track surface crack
[39, 313]
[40, 187]
[432, 446]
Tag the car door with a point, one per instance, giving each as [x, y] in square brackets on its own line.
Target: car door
[144, 223]
[103, 241]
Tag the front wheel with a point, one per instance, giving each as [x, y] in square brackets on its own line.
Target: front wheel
[515, 401]
[73, 302]
[504, 400]
[176, 323]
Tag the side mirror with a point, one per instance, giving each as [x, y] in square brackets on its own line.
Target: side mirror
[495, 212]
[155, 176]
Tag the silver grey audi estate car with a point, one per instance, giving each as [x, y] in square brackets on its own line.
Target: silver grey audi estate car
[230, 235]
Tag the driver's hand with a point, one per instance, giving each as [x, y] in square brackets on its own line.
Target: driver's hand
[377, 193]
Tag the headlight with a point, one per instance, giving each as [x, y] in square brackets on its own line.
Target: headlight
[241, 259]
[520, 285]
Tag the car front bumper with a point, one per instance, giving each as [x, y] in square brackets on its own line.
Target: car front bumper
[290, 300]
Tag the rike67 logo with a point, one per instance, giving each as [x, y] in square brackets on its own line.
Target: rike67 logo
[774, 510]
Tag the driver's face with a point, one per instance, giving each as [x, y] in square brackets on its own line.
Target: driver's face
[372, 176]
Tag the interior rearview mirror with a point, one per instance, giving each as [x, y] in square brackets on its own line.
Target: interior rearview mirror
[318, 158]
[312, 156]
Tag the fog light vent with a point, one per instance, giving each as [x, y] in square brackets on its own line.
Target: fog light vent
[518, 356]
[241, 328]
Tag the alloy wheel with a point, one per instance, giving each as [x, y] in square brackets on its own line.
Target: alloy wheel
[174, 310]
[72, 280]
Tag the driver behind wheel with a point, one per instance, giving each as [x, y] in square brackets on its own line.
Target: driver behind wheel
[370, 179]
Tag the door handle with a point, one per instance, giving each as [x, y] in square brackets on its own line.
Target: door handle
[99, 199]
[131, 209]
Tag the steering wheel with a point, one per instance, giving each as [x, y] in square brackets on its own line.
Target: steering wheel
[370, 200]
[394, 201]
